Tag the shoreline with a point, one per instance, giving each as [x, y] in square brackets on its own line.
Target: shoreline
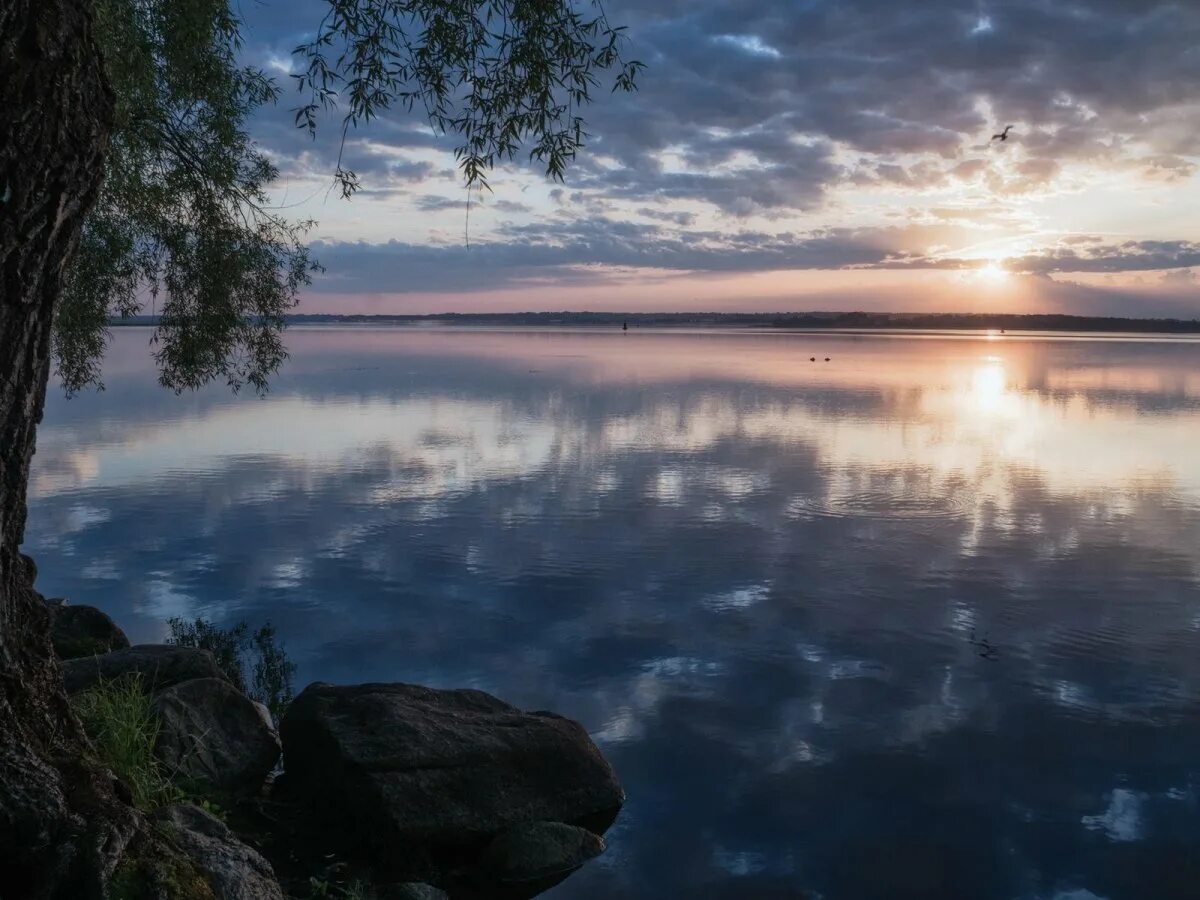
[771, 322]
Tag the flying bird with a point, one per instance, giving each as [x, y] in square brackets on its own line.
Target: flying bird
[1002, 136]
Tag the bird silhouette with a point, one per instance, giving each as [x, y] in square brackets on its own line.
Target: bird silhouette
[1002, 136]
[812, 359]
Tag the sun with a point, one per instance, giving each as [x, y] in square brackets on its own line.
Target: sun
[993, 272]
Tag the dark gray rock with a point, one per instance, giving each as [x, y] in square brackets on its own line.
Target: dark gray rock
[399, 764]
[81, 630]
[31, 569]
[159, 665]
[538, 854]
[412, 890]
[212, 732]
[233, 870]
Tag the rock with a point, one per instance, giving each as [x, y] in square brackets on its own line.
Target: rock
[265, 715]
[83, 631]
[31, 569]
[210, 731]
[538, 853]
[160, 665]
[412, 890]
[402, 765]
[233, 870]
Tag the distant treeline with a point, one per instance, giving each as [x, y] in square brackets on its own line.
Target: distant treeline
[806, 320]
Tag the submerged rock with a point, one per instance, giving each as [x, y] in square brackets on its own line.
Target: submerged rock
[210, 731]
[537, 855]
[233, 870]
[400, 765]
[77, 631]
[159, 665]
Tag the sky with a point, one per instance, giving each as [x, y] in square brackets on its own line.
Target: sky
[792, 155]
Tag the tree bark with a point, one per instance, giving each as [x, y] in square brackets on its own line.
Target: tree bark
[62, 828]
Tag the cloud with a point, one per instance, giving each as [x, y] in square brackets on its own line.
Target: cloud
[1179, 277]
[678, 218]
[782, 85]
[541, 249]
[1124, 257]
[572, 249]
[761, 125]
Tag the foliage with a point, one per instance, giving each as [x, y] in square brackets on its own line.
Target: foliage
[257, 664]
[271, 671]
[119, 719]
[495, 73]
[183, 219]
[183, 214]
[225, 644]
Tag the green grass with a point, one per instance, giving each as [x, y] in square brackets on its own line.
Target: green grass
[119, 718]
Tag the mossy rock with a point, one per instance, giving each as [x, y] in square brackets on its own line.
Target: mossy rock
[185, 853]
[158, 874]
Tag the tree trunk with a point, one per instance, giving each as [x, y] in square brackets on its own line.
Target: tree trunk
[62, 828]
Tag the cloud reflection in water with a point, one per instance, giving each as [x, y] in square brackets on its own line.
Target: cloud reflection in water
[762, 584]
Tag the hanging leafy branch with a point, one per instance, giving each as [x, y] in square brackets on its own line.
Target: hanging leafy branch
[184, 223]
[495, 73]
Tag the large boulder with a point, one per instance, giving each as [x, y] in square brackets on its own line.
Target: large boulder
[79, 631]
[233, 870]
[159, 665]
[210, 731]
[402, 765]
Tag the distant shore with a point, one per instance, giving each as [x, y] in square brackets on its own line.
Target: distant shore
[806, 321]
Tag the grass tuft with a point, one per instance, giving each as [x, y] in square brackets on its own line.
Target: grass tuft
[119, 719]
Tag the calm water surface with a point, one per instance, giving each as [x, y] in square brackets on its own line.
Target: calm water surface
[919, 622]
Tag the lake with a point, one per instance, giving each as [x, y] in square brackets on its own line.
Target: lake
[922, 621]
